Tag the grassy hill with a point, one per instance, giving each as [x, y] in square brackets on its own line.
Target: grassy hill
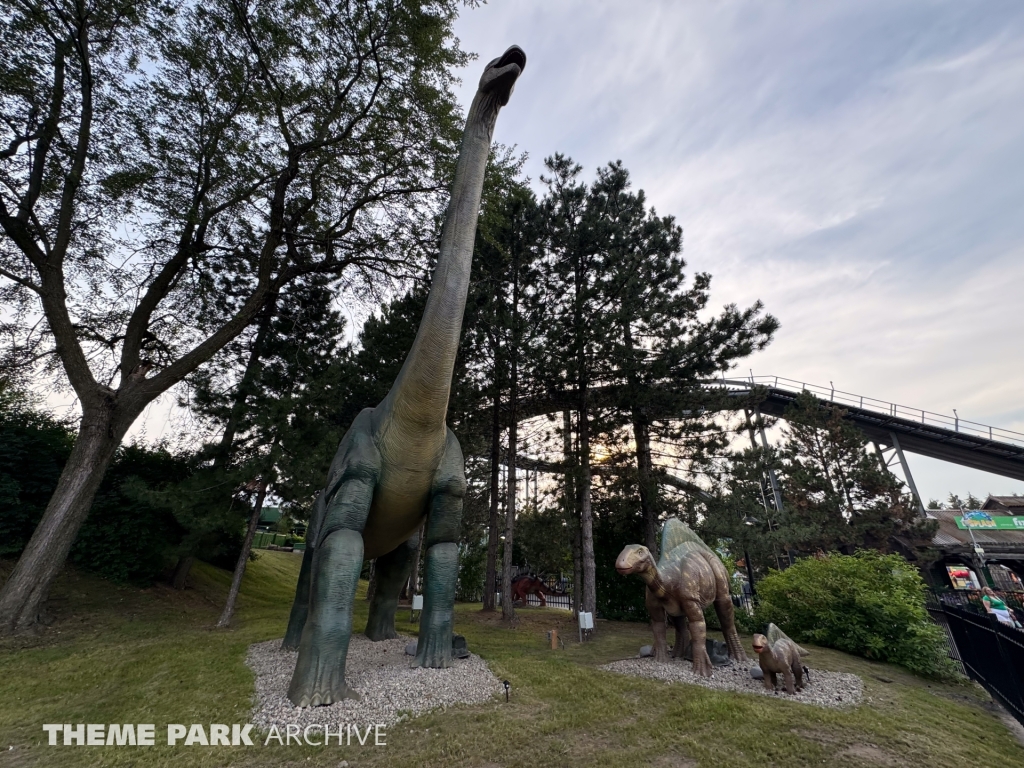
[123, 655]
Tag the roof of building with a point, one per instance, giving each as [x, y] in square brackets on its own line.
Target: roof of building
[1003, 502]
[949, 535]
[270, 515]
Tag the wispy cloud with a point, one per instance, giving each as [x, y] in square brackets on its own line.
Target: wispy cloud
[858, 166]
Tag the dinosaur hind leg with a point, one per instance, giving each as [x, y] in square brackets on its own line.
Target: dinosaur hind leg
[319, 677]
[441, 564]
[727, 618]
[391, 571]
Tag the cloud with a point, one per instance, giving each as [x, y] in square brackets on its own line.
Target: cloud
[858, 166]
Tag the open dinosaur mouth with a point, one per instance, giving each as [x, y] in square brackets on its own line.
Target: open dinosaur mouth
[514, 55]
[501, 74]
[758, 648]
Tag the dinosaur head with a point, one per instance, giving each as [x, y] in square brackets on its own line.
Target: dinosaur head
[500, 75]
[635, 558]
[760, 642]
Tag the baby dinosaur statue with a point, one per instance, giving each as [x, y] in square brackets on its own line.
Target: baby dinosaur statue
[399, 462]
[778, 654]
[688, 577]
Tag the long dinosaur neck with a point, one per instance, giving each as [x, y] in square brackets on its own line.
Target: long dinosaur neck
[653, 579]
[418, 400]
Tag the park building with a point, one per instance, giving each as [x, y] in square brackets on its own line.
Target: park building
[987, 549]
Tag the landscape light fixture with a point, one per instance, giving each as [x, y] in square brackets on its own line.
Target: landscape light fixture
[507, 685]
[749, 520]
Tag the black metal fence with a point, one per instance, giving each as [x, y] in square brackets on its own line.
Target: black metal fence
[989, 652]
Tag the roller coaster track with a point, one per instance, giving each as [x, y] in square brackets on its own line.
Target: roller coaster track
[915, 430]
[936, 435]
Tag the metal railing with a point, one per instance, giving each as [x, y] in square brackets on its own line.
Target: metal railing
[927, 418]
[991, 653]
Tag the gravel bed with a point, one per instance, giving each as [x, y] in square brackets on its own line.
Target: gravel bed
[825, 689]
[391, 689]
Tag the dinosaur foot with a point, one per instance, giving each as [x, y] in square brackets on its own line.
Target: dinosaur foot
[434, 650]
[736, 652]
[319, 683]
[701, 662]
[381, 628]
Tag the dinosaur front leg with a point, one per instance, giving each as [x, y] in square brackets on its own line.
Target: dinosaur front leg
[319, 677]
[658, 626]
[434, 648]
[391, 571]
[300, 605]
[698, 638]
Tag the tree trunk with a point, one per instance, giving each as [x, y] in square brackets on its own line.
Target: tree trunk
[371, 584]
[181, 571]
[647, 487]
[572, 519]
[586, 514]
[414, 580]
[507, 610]
[492, 529]
[243, 558]
[24, 593]
[642, 438]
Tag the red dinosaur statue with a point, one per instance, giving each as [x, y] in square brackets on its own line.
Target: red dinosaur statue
[530, 585]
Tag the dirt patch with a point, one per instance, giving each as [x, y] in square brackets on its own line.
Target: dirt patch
[818, 737]
[869, 753]
[673, 761]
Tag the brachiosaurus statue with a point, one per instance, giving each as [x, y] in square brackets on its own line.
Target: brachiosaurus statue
[399, 462]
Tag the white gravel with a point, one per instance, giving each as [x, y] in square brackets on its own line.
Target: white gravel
[825, 689]
[391, 689]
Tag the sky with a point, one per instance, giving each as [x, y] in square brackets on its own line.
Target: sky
[856, 166]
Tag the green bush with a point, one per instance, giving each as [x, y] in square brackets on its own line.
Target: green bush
[868, 604]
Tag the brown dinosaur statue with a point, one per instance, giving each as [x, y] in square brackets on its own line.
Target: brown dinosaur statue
[523, 586]
[777, 654]
[688, 577]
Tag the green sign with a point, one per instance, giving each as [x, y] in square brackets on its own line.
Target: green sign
[982, 520]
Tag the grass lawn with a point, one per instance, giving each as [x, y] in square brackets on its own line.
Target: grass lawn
[123, 655]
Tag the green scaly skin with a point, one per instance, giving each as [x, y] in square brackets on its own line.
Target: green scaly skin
[399, 462]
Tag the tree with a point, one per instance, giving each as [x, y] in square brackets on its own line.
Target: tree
[167, 168]
[955, 502]
[660, 345]
[837, 495]
[575, 326]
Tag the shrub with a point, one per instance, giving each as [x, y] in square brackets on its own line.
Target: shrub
[867, 604]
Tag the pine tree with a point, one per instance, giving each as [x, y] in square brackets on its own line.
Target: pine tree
[837, 495]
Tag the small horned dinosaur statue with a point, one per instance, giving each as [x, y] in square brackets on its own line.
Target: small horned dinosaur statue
[688, 577]
[778, 654]
[399, 463]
